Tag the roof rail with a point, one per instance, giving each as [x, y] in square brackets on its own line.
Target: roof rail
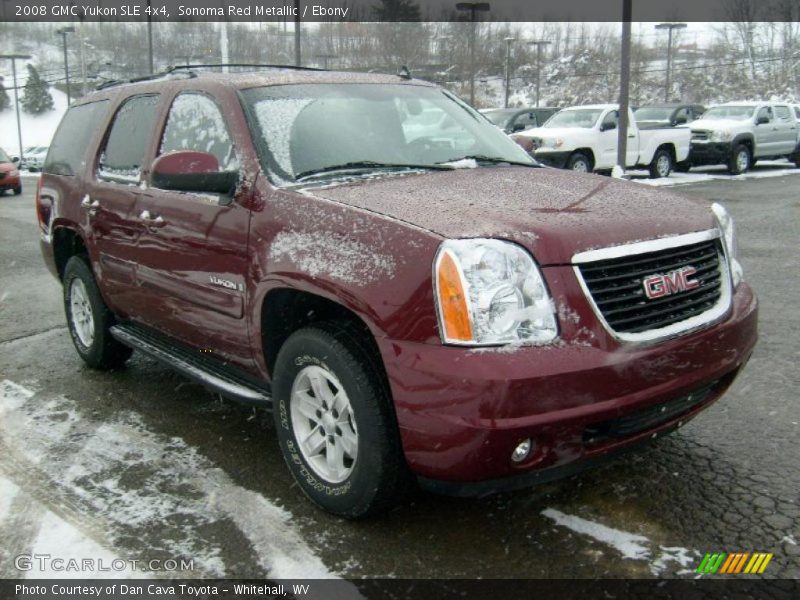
[240, 65]
[116, 82]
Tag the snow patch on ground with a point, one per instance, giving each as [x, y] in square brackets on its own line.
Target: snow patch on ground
[338, 257]
[763, 170]
[147, 492]
[631, 546]
[8, 491]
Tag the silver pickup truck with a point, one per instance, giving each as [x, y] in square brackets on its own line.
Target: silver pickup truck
[737, 134]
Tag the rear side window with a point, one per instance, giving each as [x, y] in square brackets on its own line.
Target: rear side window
[68, 151]
[196, 123]
[783, 113]
[123, 155]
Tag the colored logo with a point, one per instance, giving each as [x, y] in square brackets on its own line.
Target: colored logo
[658, 286]
[735, 563]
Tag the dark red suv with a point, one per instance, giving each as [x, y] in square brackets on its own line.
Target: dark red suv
[414, 297]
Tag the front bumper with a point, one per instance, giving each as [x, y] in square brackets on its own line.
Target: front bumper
[552, 158]
[462, 412]
[710, 153]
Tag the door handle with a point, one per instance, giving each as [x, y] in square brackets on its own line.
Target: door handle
[90, 205]
[150, 221]
[631, 135]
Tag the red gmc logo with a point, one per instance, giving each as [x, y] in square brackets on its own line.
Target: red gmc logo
[658, 286]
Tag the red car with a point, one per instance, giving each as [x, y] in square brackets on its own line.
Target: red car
[410, 293]
[9, 175]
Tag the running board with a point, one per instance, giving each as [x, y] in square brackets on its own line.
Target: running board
[206, 371]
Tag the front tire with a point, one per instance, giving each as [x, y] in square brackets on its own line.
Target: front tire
[335, 422]
[741, 160]
[579, 163]
[89, 319]
[17, 190]
[661, 165]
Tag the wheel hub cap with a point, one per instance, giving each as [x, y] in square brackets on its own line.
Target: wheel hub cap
[81, 312]
[324, 424]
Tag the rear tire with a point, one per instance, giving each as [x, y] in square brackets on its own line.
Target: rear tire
[661, 165]
[579, 163]
[329, 392]
[740, 160]
[89, 319]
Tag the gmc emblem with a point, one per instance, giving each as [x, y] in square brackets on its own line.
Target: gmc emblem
[658, 286]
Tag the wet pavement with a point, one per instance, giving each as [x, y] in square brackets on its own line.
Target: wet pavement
[143, 464]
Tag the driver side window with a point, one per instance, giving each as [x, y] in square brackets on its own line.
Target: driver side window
[610, 120]
[195, 122]
[765, 112]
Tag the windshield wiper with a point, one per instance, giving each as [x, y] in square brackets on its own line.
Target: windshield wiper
[495, 160]
[367, 165]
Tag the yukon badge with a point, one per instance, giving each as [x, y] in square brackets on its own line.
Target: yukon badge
[226, 283]
[658, 286]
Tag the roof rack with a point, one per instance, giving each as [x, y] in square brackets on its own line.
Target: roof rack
[115, 82]
[240, 65]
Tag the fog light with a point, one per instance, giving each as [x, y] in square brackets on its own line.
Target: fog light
[522, 451]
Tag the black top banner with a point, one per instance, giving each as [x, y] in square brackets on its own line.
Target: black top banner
[397, 11]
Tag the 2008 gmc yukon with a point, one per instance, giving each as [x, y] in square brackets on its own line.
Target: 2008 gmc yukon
[415, 298]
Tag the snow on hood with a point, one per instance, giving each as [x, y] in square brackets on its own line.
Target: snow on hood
[554, 213]
[714, 124]
[553, 132]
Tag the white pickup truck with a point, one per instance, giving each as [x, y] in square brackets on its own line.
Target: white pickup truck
[584, 138]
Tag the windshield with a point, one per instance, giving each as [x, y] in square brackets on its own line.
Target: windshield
[652, 113]
[3, 156]
[737, 113]
[310, 128]
[499, 117]
[584, 118]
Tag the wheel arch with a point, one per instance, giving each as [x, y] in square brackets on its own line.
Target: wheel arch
[67, 242]
[587, 152]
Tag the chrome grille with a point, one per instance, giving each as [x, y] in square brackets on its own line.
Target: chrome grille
[698, 135]
[616, 288]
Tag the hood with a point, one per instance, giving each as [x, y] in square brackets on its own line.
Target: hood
[553, 213]
[7, 167]
[716, 124]
[551, 132]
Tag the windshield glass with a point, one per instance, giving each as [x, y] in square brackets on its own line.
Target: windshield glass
[652, 113]
[580, 117]
[308, 128]
[738, 113]
[3, 156]
[499, 117]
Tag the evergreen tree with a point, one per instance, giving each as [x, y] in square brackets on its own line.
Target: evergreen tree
[36, 98]
[5, 101]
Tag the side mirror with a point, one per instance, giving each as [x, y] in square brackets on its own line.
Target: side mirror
[680, 121]
[15, 159]
[518, 127]
[192, 171]
[762, 120]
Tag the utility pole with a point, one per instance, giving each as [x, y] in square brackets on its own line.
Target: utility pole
[150, 65]
[473, 8]
[297, 15]
[624, 85]
[508, 42]
[63, 33]
[14, 58]
[81, 55]
[538, 44]
[669, 27]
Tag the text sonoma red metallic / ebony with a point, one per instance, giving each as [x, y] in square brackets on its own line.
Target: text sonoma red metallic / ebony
[412, 295]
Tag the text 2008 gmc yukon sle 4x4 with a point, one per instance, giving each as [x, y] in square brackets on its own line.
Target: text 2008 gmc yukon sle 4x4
[414, 297]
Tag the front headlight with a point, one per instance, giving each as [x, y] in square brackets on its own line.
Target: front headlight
[723, 135]
[490, 292]
[728, 230]
[13, 173]
[552, 142]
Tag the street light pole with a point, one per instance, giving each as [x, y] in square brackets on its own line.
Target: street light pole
[63, 33]
[538, 44]
[473, 8]
[508, 41]
[13, 58]
[150, 64]
[669, 27]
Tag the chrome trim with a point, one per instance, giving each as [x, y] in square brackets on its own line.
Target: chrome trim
[709, 317]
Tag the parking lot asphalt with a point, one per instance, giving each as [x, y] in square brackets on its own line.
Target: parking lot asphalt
[142, 464]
